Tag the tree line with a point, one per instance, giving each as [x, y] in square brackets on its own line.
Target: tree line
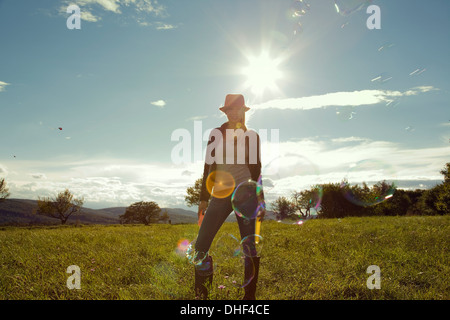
[330, 200]
[338, 200]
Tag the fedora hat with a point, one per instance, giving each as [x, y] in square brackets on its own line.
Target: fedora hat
[234, 101]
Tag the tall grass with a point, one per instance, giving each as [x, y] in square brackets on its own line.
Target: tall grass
[321, 259]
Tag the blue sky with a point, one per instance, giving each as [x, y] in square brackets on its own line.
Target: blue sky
[348, 99]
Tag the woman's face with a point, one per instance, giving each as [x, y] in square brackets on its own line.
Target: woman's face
[235, 115]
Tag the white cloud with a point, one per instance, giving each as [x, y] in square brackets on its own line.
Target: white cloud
[306, 162]
[159, 103]
[355, 98]
[38, 176]
[196, 118]
[3, 85]
[120, 182]
[88, 16]
[91, 10]
[164, 26]
[102, 181]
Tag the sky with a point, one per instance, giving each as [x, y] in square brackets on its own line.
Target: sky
[97, 109]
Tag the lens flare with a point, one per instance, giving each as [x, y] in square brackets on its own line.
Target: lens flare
[220, 184]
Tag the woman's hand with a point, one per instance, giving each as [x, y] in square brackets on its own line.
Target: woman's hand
[202, 208]
[261, 214]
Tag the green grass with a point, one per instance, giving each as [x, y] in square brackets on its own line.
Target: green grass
[321, 259]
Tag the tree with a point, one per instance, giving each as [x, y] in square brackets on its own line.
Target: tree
[437, 200]
[61, 207]
[283, 208]
[342, 200]
[165, 216]
[193, 193]
[4, 191]
[446, 172]
[305, 200]
[141, 212]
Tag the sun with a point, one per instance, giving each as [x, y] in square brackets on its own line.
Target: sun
[262, 72]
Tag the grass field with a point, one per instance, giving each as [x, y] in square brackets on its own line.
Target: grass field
[321, 259]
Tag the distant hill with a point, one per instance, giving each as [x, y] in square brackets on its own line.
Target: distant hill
[21, 212]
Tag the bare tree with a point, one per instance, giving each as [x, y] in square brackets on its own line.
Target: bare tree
[4, 192]
[61, 207]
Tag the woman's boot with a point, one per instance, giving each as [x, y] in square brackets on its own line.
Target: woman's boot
[251, 272]
[203, 278]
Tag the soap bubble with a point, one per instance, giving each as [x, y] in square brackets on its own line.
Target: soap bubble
[164, 278]
[251, 245]
[232, 256]
[280, 173]
[290, 165]
[373, 172]
[302, 206]
[199, 259]
[247, 199]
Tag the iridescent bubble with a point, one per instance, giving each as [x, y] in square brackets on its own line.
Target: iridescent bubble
[251, 245]
[348, 7]
[164, 278]
[281, 173]
[410, 129]
[290, 166]
[301, 206]
[247, 199]
[227, 245]
[220, 184]
[199, 259]
[379, 178]
[230, 260]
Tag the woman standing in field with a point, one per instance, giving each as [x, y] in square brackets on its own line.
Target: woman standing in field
[232, 158]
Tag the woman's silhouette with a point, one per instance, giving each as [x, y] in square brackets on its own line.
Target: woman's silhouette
[233, 151]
